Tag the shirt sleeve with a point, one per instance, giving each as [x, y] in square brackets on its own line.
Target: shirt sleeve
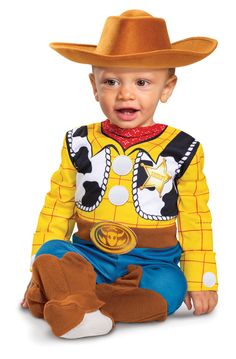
[56, 219]
[195, 227]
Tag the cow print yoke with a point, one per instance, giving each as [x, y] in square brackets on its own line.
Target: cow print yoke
[92, 171]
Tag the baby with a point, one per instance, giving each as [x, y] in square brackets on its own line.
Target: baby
[129, 184]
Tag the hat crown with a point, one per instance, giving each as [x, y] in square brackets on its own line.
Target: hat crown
[133, 32]
[134, 13]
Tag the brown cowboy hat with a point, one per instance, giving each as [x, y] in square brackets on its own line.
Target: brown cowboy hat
[137, 39]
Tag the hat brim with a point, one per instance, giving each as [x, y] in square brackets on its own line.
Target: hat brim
[181, 53]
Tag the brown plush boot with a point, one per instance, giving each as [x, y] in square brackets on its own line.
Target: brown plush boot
[128, 303]
[63, 291]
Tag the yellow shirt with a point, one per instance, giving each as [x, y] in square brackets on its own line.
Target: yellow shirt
[150, 185]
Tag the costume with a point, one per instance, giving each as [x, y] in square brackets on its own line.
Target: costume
[128, 201]
[84, 190]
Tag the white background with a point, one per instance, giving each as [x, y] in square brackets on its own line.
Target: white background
[43, 95]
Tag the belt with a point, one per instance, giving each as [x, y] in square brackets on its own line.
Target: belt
[114, 237]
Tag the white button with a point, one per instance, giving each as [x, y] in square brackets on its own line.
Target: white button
[122, 165]
[118, 195]
[209, 279]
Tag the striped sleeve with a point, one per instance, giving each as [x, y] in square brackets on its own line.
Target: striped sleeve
[195, 227]
[56, 219]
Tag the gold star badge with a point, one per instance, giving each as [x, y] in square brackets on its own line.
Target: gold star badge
[157, 176]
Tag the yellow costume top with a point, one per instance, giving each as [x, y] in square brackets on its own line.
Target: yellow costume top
[156, 188]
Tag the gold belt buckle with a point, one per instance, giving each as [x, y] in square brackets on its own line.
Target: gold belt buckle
[112, 237]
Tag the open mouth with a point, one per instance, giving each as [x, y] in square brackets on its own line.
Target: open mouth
[127, 110]
[127, 114]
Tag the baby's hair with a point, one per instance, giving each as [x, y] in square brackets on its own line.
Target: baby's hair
[171, 71]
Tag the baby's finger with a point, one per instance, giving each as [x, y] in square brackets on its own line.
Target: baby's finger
[197, 303]
[187, 301]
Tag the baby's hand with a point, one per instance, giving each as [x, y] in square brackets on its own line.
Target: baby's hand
[204, 301]
[24, 302]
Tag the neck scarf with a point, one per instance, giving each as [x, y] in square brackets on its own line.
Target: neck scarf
[130, 136]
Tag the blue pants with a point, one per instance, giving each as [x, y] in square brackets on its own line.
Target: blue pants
[160, 270]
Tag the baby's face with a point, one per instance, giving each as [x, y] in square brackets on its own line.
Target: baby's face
[129, 97]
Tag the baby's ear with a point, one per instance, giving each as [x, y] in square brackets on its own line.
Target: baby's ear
[92, 80]
[168, 89]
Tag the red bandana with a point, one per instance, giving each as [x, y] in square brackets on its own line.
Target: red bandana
[129, 136]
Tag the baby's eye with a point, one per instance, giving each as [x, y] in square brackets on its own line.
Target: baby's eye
[142, 82]
[110, 82]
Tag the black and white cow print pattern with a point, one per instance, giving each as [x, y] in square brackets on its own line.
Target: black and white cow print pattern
[93, 171]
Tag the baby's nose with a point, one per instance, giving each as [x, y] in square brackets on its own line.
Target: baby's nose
[126, 93]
